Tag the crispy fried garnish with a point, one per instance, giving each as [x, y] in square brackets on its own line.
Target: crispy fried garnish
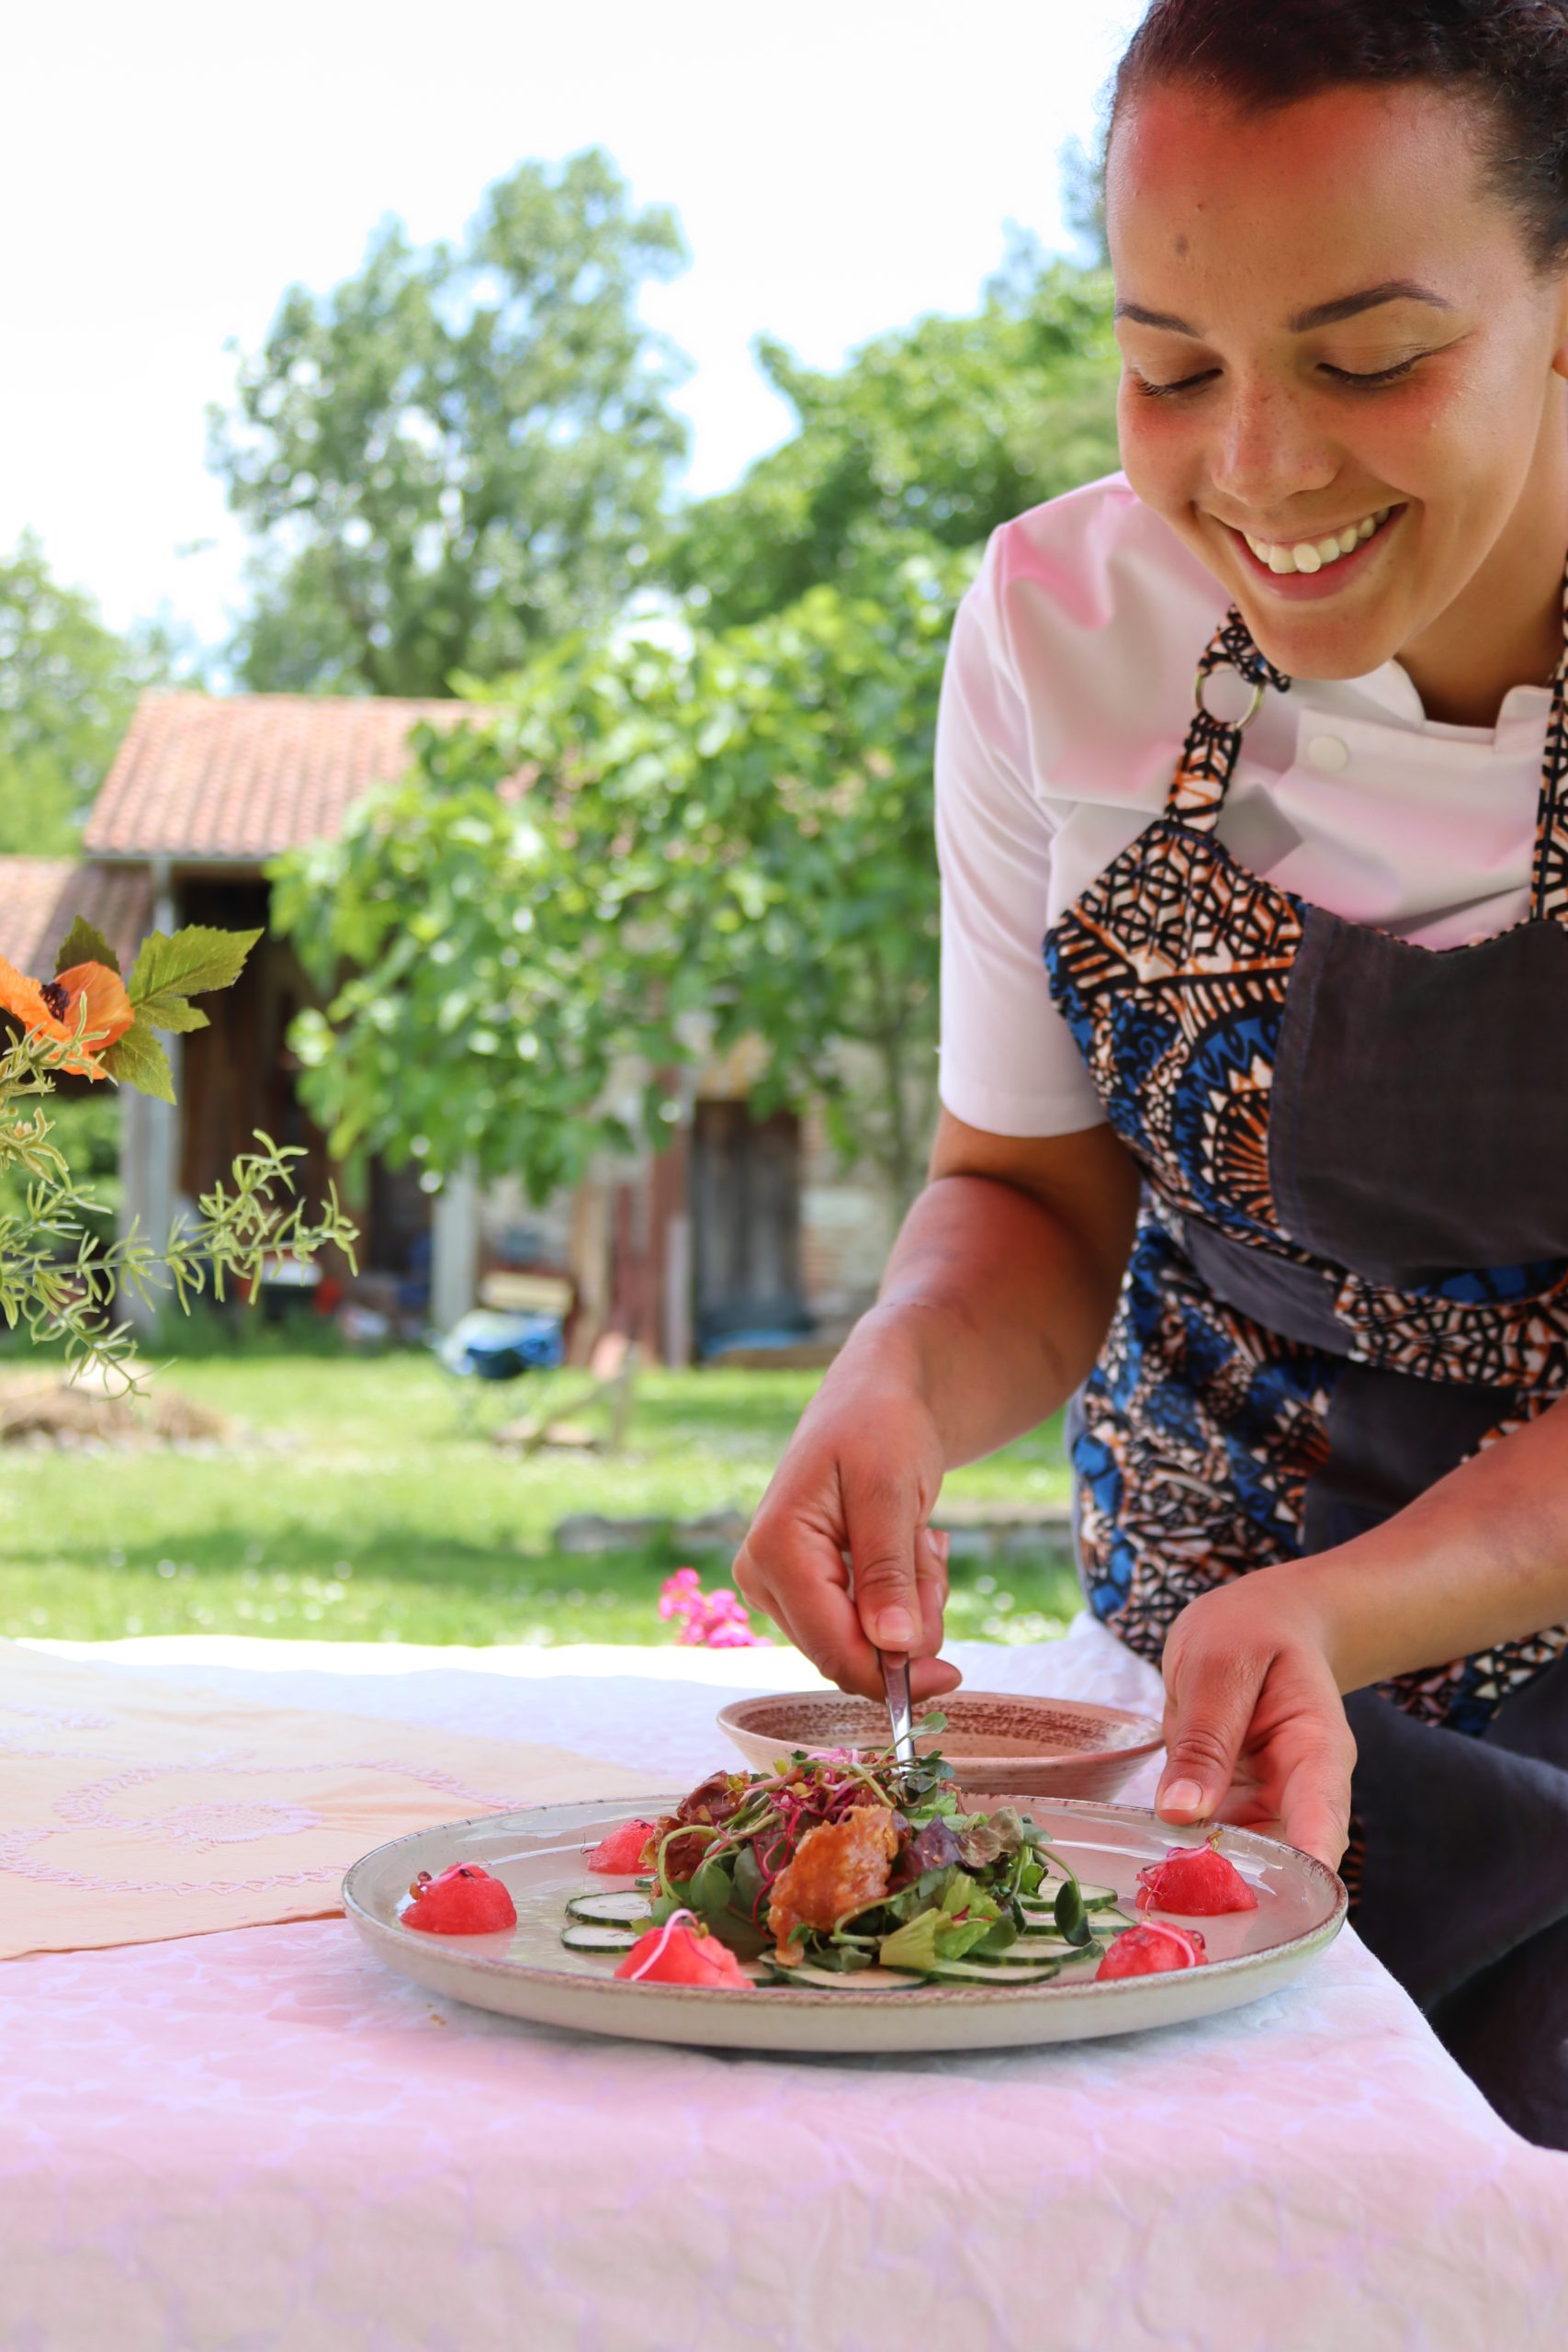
[714, 1799]
[709, 1807]
[838, 1868]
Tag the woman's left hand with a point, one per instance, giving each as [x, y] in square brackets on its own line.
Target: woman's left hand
[1255, 1729]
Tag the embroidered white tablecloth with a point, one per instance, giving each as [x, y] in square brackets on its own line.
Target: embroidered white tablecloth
[133, 1810]
[259, 2139]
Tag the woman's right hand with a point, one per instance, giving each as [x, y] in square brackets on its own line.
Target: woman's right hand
[840, 1554]
[997, 1295]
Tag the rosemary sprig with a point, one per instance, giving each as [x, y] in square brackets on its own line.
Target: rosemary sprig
[61, 1286]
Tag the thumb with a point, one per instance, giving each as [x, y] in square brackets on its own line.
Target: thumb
[882, 1524]
[1316, 1813]
[1209, 1709]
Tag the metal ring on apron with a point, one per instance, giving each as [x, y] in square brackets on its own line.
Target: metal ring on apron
[1245, 721]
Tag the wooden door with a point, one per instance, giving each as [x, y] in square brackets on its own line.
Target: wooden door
[745, 1196]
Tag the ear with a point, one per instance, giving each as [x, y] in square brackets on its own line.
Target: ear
[1559, 346]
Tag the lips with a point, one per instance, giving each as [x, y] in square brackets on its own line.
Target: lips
[1307, 582]
[1316, 553]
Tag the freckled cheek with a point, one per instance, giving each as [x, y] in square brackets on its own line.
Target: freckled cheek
[1441, 442]
[1161, 454]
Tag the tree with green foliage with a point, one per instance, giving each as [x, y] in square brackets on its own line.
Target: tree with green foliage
[726, 836]
[68, 686]
[728, 840]
[931, 437]
[463, 452]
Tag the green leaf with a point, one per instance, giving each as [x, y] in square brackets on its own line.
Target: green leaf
[138, 1059]
[173, 1015]
[708, 1891]
[914, 1944]
[1072, 1920]
[194, 960]
[748, 1888]
[1000, 1936]
[844, 1959]
[84, 944]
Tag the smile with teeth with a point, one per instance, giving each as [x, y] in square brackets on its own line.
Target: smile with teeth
[1313, 555]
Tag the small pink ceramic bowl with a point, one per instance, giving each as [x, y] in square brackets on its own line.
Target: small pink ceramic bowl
[997, 1741]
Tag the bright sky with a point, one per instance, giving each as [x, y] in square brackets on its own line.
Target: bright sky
[838, 167]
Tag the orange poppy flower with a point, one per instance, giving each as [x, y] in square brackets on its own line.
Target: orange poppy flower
[55, 1006]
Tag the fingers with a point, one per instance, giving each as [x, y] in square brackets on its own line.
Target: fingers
[883, 1520]
[930, 1675]
[931, 1579]
[1256, 1732]
[792, 1569]
[1314, 1802]
[795, 1575]
[1209, 1701]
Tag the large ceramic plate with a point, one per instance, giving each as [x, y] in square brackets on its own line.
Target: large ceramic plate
[528, 1973]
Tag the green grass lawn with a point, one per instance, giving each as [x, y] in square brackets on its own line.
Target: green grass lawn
[362, 1500]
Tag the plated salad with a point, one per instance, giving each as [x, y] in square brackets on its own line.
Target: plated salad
[853, 1866]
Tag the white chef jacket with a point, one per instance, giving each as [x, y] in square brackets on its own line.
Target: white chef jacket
[1067, 693]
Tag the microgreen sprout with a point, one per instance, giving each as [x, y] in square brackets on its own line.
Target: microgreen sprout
[901, 1877]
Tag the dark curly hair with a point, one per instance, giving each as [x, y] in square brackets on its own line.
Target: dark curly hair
[1510, 56]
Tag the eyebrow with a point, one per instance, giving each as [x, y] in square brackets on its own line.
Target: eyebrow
[1321, 314]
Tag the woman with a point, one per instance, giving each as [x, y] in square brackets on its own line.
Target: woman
[1267, 1164]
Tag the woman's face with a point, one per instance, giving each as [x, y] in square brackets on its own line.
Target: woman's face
[1342, 373]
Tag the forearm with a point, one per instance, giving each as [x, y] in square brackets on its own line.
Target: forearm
[1480, 1558]
[993, 1309]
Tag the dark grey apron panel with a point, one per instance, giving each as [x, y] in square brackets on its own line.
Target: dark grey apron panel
[1535, 1720]
[1420, 1112]
[1508, 2029]
[1464, 1894]
[1391, 1435]
[1295, 1301]
[1390, 1438]
[1467, 1847]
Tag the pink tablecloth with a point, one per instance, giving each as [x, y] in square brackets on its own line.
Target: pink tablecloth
[260, 2140]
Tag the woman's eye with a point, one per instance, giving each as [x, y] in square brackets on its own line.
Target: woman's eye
[1359, 380]
[1153, 391]
[1376, 376]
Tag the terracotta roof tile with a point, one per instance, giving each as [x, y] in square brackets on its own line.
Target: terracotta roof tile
[40, 897]
[246, 776]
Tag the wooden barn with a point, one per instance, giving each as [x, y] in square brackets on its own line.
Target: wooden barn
[741, 1230]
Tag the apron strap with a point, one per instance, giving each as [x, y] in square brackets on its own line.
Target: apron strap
[1549, 875]
[1209, 755]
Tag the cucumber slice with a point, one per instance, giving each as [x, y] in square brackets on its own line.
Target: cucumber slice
[610, 1910]
[1095, 1898]
[993, 1972]
[584, 1936]
[833, 1980]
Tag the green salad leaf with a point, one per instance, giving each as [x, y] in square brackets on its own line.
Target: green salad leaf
[958, 1884]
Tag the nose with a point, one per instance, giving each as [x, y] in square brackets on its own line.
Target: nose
[1267, 450]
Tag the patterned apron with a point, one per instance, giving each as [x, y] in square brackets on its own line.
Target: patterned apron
[1350, 1271]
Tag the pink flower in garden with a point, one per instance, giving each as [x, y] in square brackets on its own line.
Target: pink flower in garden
[715, 1621]
[681, 1593]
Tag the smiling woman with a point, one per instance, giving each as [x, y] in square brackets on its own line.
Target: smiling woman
[1379, 470]
[1269, 1162]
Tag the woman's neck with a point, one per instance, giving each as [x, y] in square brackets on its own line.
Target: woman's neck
[1462, 673]
[1506, 629]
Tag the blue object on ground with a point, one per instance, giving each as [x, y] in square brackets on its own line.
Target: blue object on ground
[768, 1336]
[486, 1345]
